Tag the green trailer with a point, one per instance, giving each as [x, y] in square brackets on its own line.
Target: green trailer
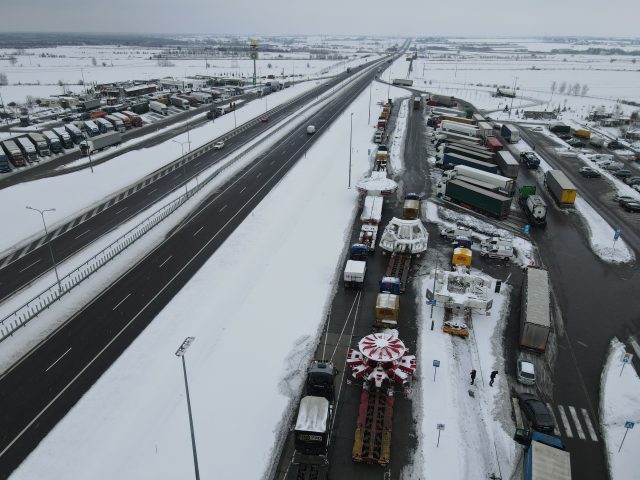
[477, 198]
[140, 107]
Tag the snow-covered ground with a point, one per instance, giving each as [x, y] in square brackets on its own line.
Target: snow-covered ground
[619, 394]
[134, 420]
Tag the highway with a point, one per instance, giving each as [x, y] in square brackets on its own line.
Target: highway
[40, 389]
[34, 260]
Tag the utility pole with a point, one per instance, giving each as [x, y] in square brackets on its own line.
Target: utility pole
[350, 147]
[46, 236]
[514, 95]
[369, 115]
[181, 353]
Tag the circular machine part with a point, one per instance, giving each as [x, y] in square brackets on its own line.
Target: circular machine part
[382, 347]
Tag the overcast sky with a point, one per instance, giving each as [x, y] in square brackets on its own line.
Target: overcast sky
[275, 17]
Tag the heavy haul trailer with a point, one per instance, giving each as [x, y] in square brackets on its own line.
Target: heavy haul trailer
[372, 442]
[477, 198]
[398, 267]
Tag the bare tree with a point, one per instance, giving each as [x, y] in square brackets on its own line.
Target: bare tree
[554, 86]
[562, 88]
[13, 61]
[30, 100]
[3, 79]
[585, 90]
[94, 62]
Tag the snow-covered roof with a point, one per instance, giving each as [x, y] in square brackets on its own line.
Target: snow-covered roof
[537, 300]
[313, 414]
[377, 184]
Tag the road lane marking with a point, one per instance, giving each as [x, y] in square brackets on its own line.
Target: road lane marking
[30, 265]
[258, 175]
[272, 162]
[162, 264]
[198, 231]
[565, 421]
[121, 210]
[222, 208]
[587, 421]
[576, 420]
[152, 191]
[59, 358]
[120, 302]
[83, 233]
[582, 343]
[243, 189]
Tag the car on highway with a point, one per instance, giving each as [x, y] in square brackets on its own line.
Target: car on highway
[264, 119]
[564, 136]
[526, 372]
[632, 180]
[630, 205]
[589, 172]
[537, 129]
[636, 187]
[575, 143]
[619, 197]
[536, 412]
[615, 145]
[611, 166]
[218, 145]
[623, 173]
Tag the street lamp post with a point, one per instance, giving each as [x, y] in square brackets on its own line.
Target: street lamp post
[181, 353]
[86, 141]
[235, 123]
[184, 162]
[369, 115]
[514, 95]
[46, 233]
[350, 148]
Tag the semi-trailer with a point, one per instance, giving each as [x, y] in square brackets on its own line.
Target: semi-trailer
[203, 97]
[4, 162]
[117, 123]
[559, 128]
[483, 156]
[441, 136]
[158, 107]
[535, 319]
[41, 144]
[402, 81]
[104, 125]
[462, 120]
[455, 159]
[28, 149]
[74, 133]
[140, 107]
[136, 120]
[64, 137]
[545, 457]
[100, 141]
[458, 128]
[478, 148]
[478, 199]
[510, 133]
[534, 207]
[14, 154]
[505, 184]
[53, 141]
[486, 130]
[562, 189]
[417, 102]
[125, 119]
[583, 133]
[89, 104]
[493, 144]
[180, 103]
[509, 166]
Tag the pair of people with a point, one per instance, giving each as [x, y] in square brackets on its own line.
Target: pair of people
[492, 377]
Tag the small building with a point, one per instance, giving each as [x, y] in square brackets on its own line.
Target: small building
[540, 115]
[138, 90]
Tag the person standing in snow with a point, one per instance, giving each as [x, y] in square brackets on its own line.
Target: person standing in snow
[493, 377]
[473, 376]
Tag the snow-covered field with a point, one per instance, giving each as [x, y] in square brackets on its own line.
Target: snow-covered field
[620, 391]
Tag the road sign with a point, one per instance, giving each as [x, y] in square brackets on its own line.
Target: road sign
[627, 357]
[436, 363]
[433, 302]
[616, 234]
[440, 426]
[527, 228]
[628, 424]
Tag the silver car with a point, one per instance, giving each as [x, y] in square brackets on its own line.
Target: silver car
[526, 372]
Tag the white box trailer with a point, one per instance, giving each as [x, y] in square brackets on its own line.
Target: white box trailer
[535, 318]
[372, 210]
[459, 128]
[505, 184]
[158, 107]
[28, 149]
[354, 273]
[509, 166]
[486, 130]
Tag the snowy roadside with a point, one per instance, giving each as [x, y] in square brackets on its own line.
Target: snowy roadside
[619, 394]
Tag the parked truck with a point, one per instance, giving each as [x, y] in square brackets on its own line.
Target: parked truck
[117, 123]
[136, 120]
[89, 104]
[54, 142]
[417, 102]
[509, 166]
[597, 141]
[476, 154]
[545, 457]
[510, 133]
[493, 144]
[100, 141]
[455, 159]
[4, 162]
[14, 154]
[478, 199]
[534, 207]
[140, 107]
[459, 128]
[535, 319]
[486, 130]
[64, 137]
[583, 133]
[124, 118]
[104, 125]
[91, 128]
[354, 272]
[41, 144]
[457, 119]
[180, 103]
[387, 309]
[28, 149]
[158, 107]
[559, 128]
[456, 137]
[504, 184]
[562, 189]
[74, 133]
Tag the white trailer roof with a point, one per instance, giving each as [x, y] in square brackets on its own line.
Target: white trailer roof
[538, 297]
[313, 415]
[549, 463]
[355, 267]
[372, 210]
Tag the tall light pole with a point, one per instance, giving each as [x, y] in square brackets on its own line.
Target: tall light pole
[350, 141]
[184, 162]
[86, 141]
[389, 85]
[46, 233]
[514, 95]
[235, 123]
[180, 353]
[369, 116]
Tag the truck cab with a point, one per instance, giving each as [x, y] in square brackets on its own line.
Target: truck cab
[321, 379]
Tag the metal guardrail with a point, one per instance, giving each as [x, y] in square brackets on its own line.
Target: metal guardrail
[31, 309]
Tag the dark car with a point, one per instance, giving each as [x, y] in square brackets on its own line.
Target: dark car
[615, 145]
[632, 180]
[536, 412]
[574, 142]
[623, 173]
[264, 119]
[589, 172]
[630, 205]
[564, 136]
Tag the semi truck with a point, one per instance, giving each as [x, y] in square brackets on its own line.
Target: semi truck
[180, 103]
[140, 107]
[74, 132]
[534, 207]
[583, 133]
[4, 163]
[455, 159]
[136, 120]
[486, 130]
[89, 104]
[417, 102]
[462, 120]
[559, 128]
[41, 144]
[64, 137]
[100, 141]
[158, 107]
[387, 309]
[476, 154]
[493, 144]
[14, 154]
[505, 184]
[456, 137]
[476, 198]
[459, 128]
[104, 125]
[545, 457]
[535, 319]
[403, 81]
[354, 272]
[54, 142]
[597, 141]
[509, 166]
[117, 123]
[510, 133]
[562, 189]
[124, 118]
[28, 150]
